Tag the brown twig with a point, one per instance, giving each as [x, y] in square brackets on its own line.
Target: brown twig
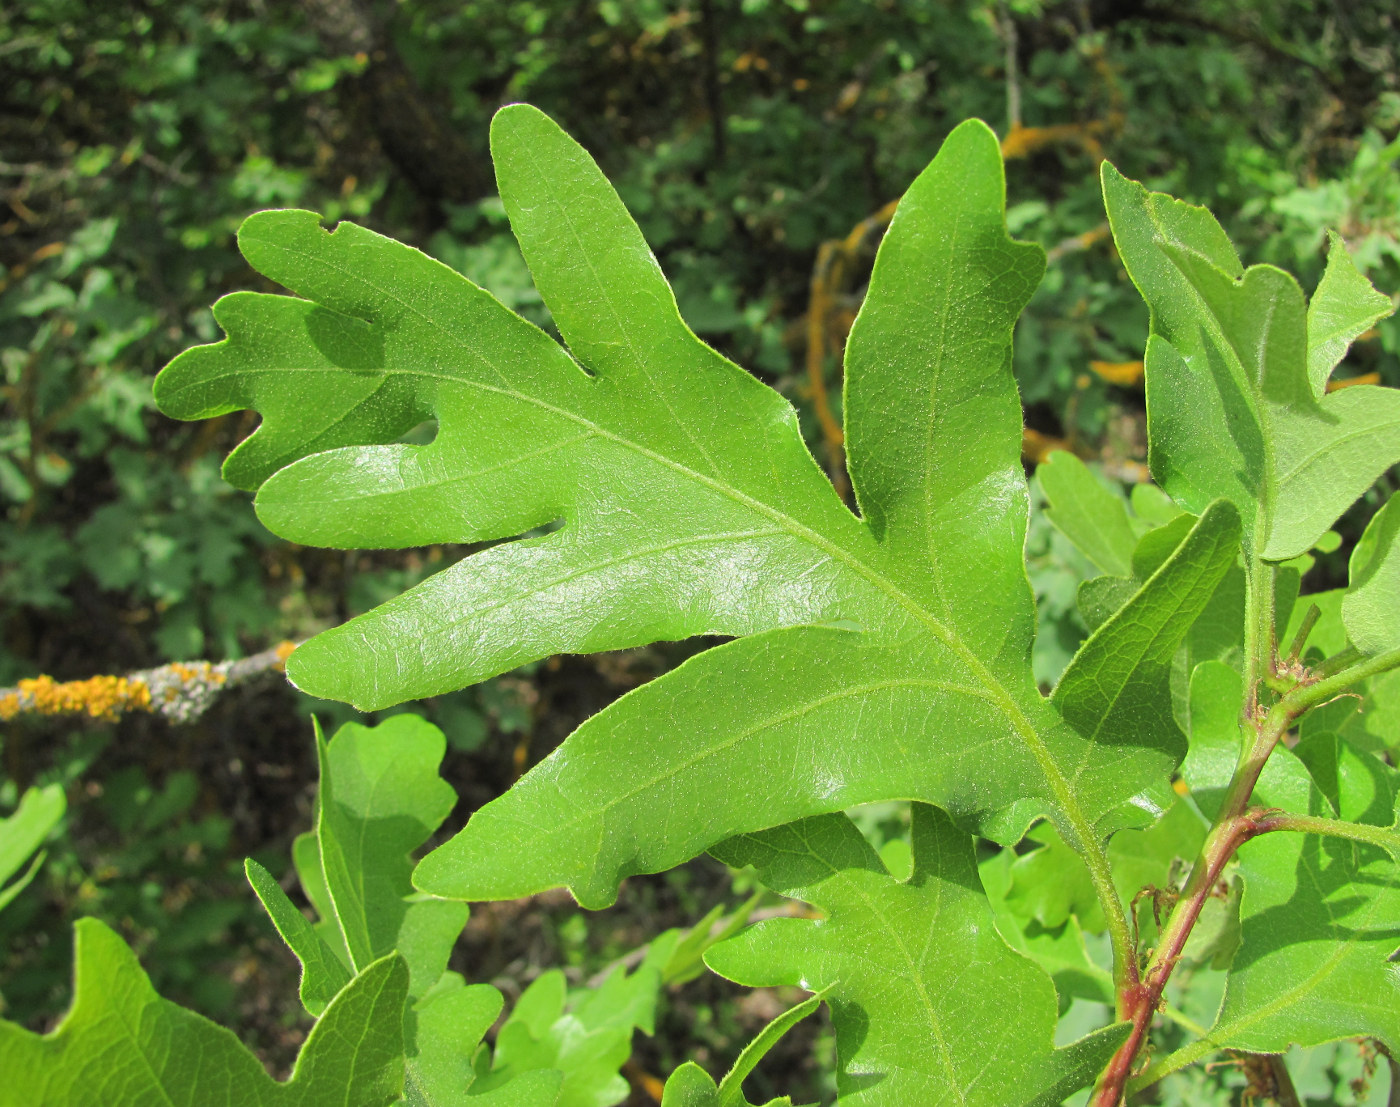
[1236, 824]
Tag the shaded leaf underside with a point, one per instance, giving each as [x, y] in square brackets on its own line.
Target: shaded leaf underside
[1236, 396]
[122, 1044]
[928, 1002]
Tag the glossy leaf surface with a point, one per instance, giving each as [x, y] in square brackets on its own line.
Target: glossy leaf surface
[877, 657]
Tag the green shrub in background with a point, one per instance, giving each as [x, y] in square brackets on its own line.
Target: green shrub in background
[741, 138]
[103, 571]
[885, 657]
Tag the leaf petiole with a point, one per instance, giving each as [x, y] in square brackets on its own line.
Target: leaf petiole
[1383, 836]
[1307, 696]
[1300, 640]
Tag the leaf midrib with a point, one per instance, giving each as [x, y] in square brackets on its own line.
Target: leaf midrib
[139, 1050]
[608, 563]
[605, 290]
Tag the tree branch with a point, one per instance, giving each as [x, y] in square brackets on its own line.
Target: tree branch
[181, 691]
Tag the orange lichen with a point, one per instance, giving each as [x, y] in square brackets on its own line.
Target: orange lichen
[101, 697]
[181, 691]
[1036, 447]
[192, 671]
[1126, 374]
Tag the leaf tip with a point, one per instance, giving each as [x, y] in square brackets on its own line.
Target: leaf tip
[514, 120]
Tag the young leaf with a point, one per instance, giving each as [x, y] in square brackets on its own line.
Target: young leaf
[1371, 610]
[679, 954]
[884, 657]
[1234, 411]
[691, 1086]
[929, 1004]
[449, 1023]
[1152, 506]
[323, 974]
[1343, 307]
[1050, 885]
[586, 1041]
[23, 832]
[121, 1045]
[1059, 950]
[1087, 513]
[380, 799]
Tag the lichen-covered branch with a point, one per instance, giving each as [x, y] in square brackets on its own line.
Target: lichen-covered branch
[181, 691]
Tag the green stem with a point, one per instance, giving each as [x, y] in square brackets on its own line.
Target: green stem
[1183, 1020]
[1260, 652]
[1307, 696]
[1233, 826]
[1382, 836]
[1139, 1001]
[1300, 640]
[1187, 1055]
[1140, 994]
[1337, 662]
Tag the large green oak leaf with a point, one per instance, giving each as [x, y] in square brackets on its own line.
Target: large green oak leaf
[879, 656]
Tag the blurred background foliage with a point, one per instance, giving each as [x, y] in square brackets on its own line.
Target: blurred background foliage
[759, 143]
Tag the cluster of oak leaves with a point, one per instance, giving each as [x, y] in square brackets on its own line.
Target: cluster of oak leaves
[874, 657]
